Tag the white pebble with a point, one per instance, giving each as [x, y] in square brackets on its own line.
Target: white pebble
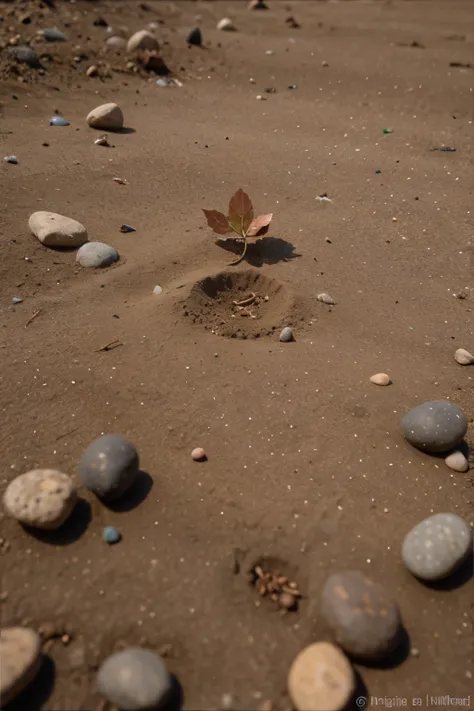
[380, 379]
[457, 462]
[326, 298]
[463, 357]
[198, 454]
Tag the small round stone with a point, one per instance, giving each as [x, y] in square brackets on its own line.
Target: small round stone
[437, 546]
[53, 35]
[41, 498]
[463, 357]
[109, 466]
[157, 290]
[380, 379]
[59, 121]
[96, 255]
[226, 25]
[364, 619]
[111, 535]
[436, 426]
[115, 42]
[20, 660]
[141, 41]
[25, 55]
[198, 454]
[135, 680]
[286, 335]
[321, 678]
[457, 461]
[108, 117]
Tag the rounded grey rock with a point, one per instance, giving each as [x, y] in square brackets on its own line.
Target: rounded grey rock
[25, 55]
[109, 466]
[286, 335]
[20, 660]
[53, 35]
[435, 426]
[96, 255]
[42, 498]
[135, 680]
[363, 618]
[437, 546]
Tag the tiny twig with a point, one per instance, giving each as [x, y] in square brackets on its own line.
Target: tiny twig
[66, 434]
[32, 318]
[246, 302]
[110, 346]
[237, 261]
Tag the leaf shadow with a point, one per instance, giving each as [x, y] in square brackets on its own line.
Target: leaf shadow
[75, 526]
[134, 496]
[36, 694]
[265, 250]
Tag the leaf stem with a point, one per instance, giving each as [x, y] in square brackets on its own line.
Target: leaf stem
[237, 261]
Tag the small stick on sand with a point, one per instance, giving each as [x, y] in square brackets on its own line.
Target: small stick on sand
[32, 318]
[246, 302]
[110, 346]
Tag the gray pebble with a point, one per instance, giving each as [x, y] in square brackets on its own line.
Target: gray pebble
[17, 300]
[11, 159]
[59, 121]
[53, 35]
[135, 680]
[20, 655]
[435, 426]
[96, 255]
[286, 335]
[364, 619]
[42, 498]
[25, 55]
[109, 466]
[437, 546]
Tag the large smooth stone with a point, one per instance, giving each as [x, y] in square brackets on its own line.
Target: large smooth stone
[321, 678]
[108, 117]
[55, 230]
[141, 41]
[437, 547]
[135, 680]
[42, 498]
[109, 466]
[25, 55]
[364, 619]
[97, 255]
[435, 426]
[20, 661]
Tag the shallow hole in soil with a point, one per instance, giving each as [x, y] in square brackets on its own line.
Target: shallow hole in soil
[239, 304]
[270, 581]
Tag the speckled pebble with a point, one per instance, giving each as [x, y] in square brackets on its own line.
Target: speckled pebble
[457, 461]
[109, 466]
[198, 454]
[111, 535]
[286, 335]
[363, 618]
[321, 678]
[463, 357]
[436, 426]
[96, 255]
[437, 546]
[135, 680]
[20, 661]
[41, 498]
[380, 379]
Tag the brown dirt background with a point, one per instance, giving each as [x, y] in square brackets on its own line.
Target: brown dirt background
[304, 453]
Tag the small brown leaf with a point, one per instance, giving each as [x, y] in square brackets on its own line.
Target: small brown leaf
[240, 212]
[218, 222]
[260, 225]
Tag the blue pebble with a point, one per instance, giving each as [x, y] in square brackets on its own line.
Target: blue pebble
[16, 300]
[111, 535]
[58, 121]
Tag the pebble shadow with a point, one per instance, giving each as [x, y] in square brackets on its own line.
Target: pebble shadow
[134, 496]
[76, 525]
[459, 578]
[176, 701]
[360, 697]
[125, 130]
[266, 250]
[36, 695]
[396, 659]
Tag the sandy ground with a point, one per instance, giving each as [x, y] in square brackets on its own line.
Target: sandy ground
[306, 460]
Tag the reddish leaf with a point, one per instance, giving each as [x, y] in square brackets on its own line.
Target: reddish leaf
[260, 225]
[218, 222]
[240, 212]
